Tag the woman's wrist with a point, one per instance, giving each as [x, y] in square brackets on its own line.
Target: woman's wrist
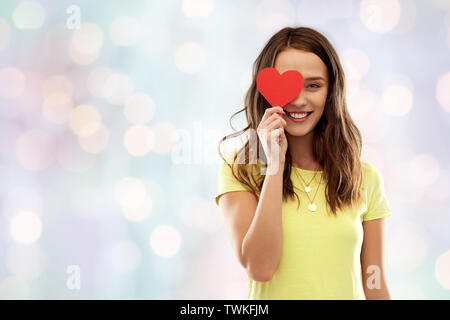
[275, 166]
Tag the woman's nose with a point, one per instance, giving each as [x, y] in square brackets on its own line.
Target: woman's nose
[300, 100]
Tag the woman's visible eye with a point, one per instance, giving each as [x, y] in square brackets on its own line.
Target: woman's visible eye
[314, 84]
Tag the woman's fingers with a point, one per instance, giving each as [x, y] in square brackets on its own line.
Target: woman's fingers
[269, 111]
[269, 130]
[275, 117]
[272, 126]
[274, 123]
[277, 123]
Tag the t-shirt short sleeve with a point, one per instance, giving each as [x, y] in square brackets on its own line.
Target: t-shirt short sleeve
[377, 206]
[226, 182]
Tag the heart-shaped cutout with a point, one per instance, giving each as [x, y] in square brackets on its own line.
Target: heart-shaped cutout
[279, 89]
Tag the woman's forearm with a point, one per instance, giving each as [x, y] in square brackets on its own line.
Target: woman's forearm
[262, 245]
[378, 294]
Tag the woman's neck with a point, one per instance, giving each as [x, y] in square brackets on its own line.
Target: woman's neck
[300, 149]
[309, 166]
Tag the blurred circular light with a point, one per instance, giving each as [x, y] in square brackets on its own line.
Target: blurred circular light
[442, 269]
[131, 194]
[12, 83]
[57, 83]
[86, 43]
[124, 31]
[82, 58]
[88, 39]
[137, 211]
[29, 15]
[197, 8]
[139, 140]
[129, 189]
[57, 107]
[397, 100]
[35, 150]
[26, 227]
[84, 120]
[165, 241]
[380, 15]
[139, 108]
[190, 57]
[96, 142]
[443, 91]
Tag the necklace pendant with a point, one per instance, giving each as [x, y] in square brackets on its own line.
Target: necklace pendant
[308, 189]
[312, 207]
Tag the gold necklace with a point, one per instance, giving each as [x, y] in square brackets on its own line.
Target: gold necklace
[312, 206]
[307, 186]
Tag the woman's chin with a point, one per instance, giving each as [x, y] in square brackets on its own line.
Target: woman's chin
[298, 132]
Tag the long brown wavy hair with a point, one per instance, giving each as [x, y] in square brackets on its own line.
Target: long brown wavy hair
[337, 140]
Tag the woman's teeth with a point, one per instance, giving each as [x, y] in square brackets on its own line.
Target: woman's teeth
[299, 115]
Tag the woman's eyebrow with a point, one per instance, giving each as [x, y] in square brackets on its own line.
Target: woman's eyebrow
[315, 78]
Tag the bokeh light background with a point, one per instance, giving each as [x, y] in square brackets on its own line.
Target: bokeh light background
[92, 121]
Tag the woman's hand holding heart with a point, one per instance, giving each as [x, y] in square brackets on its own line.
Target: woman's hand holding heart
[273, 139]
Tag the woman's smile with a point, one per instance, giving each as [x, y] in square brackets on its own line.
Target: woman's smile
[298, 117]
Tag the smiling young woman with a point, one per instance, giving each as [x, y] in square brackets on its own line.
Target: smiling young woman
[329, 244]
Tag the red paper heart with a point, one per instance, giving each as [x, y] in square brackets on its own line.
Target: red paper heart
[279, 89]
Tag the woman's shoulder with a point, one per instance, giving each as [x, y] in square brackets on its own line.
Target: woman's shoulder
[371, 173]
[369, 167]
[231, 158]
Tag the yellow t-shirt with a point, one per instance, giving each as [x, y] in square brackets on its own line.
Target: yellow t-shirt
[321, 252]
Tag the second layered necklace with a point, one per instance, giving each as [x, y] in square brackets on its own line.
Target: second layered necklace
[312, 206]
